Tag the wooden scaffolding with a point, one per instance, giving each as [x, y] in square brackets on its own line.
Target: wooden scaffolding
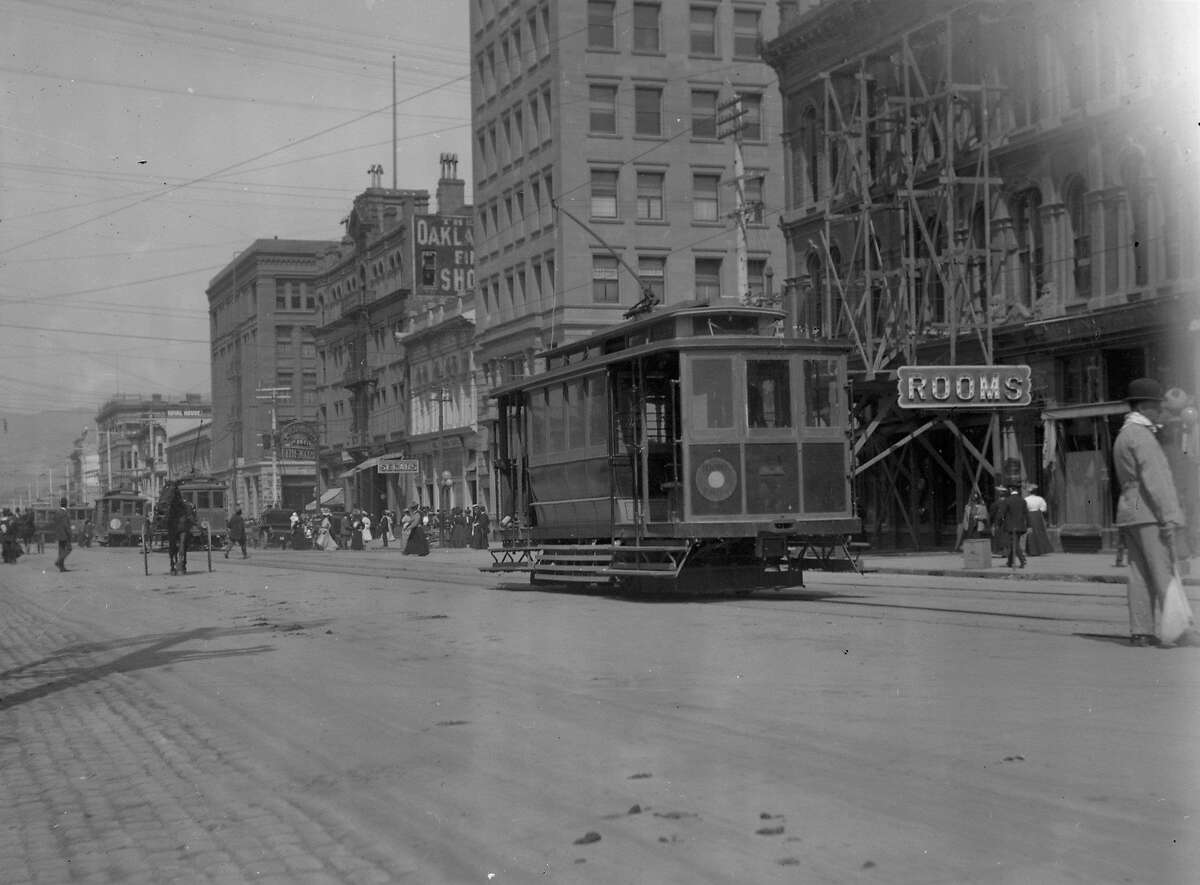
[911, 263]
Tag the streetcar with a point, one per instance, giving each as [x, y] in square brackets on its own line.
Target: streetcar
[44, 516]
[205, 498]
[120, 518]
[693, 449]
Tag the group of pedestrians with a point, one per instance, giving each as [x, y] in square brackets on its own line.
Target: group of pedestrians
[1015, 523]
[412, 531]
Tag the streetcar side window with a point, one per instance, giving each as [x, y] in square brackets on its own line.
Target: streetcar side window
[218, 499]
[821, 393]
[768, 394]
[556, 418]
[576, 416]
[537, 422]
[712, 393]
[597, 411]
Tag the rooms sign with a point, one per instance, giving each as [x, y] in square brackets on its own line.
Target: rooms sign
[963, 387]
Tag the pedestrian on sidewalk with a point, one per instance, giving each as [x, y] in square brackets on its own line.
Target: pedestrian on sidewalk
[974, 523]
[62, 534]
[237, 533]
[1148, 511]
[1014, 522]
[1037, 542]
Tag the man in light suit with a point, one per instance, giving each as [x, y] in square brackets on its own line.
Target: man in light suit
[1148, 511]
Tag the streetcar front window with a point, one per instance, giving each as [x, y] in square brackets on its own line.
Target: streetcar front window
[218, 499]
[712, 393]
[202, 500]
[768, 394]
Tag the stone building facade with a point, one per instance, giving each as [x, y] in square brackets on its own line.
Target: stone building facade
[262, 312]
[993, 183]
[599, 171]
[396, 264]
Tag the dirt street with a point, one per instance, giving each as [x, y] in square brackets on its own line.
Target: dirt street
[282, 720]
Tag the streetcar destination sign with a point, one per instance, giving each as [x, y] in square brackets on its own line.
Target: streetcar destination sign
[963, 387]
[399, 465]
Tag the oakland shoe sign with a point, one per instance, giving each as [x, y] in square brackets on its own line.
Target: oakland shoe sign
[963, 387]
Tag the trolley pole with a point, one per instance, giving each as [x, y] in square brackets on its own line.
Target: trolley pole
[730, 124]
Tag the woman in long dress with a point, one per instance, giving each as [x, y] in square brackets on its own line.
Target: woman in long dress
[479, 533]
[325, 536]
[366, 530]
[415, 544]
[1037, 541]
[356, 538]
[458, 528]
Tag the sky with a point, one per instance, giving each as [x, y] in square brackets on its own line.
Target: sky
[145, 143]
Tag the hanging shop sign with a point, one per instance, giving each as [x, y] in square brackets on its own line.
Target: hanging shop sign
[444, 253]
[963, 387]
[399, 465]
[297, 442]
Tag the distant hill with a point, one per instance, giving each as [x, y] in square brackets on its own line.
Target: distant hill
[33, 444]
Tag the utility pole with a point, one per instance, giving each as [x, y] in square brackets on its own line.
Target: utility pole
[730, 124]
[274, 394]
[235, 376]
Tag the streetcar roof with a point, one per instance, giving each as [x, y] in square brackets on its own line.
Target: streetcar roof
[645, 320]
[703, 325]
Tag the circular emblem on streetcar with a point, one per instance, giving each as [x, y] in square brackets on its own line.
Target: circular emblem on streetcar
[114, 524]
[716, 479]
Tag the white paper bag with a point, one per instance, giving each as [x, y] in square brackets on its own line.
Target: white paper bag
[1176, 616]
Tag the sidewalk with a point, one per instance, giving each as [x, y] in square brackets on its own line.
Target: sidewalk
[1090, 567]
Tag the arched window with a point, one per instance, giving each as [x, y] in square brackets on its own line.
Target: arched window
[1027, 226]
[977, 262]
[1080, 235]
[811, 135]
[927, 280]
[1137, 199]
[812, 307]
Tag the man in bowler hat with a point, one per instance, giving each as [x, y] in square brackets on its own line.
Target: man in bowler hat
[62, 534]
[1014, 518]
[1148, 511]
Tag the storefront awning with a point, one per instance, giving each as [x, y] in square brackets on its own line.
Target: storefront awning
[365, 465]
[1085, 410]
[329, 498]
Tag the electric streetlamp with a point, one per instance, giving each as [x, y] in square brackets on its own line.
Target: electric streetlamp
[442, 480]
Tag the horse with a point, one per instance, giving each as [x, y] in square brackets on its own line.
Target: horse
[177, 521]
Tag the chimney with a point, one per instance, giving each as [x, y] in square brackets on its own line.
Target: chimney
[451, 190]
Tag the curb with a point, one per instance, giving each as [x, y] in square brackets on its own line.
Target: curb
[1007, 574]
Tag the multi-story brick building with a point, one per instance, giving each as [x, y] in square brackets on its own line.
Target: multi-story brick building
[609, 111]
[993, 183]
[262, 311]
[397, 262]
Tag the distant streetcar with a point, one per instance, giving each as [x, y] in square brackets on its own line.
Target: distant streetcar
[205, 497]
[120, 518]
[45, 514]
[692, 449]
